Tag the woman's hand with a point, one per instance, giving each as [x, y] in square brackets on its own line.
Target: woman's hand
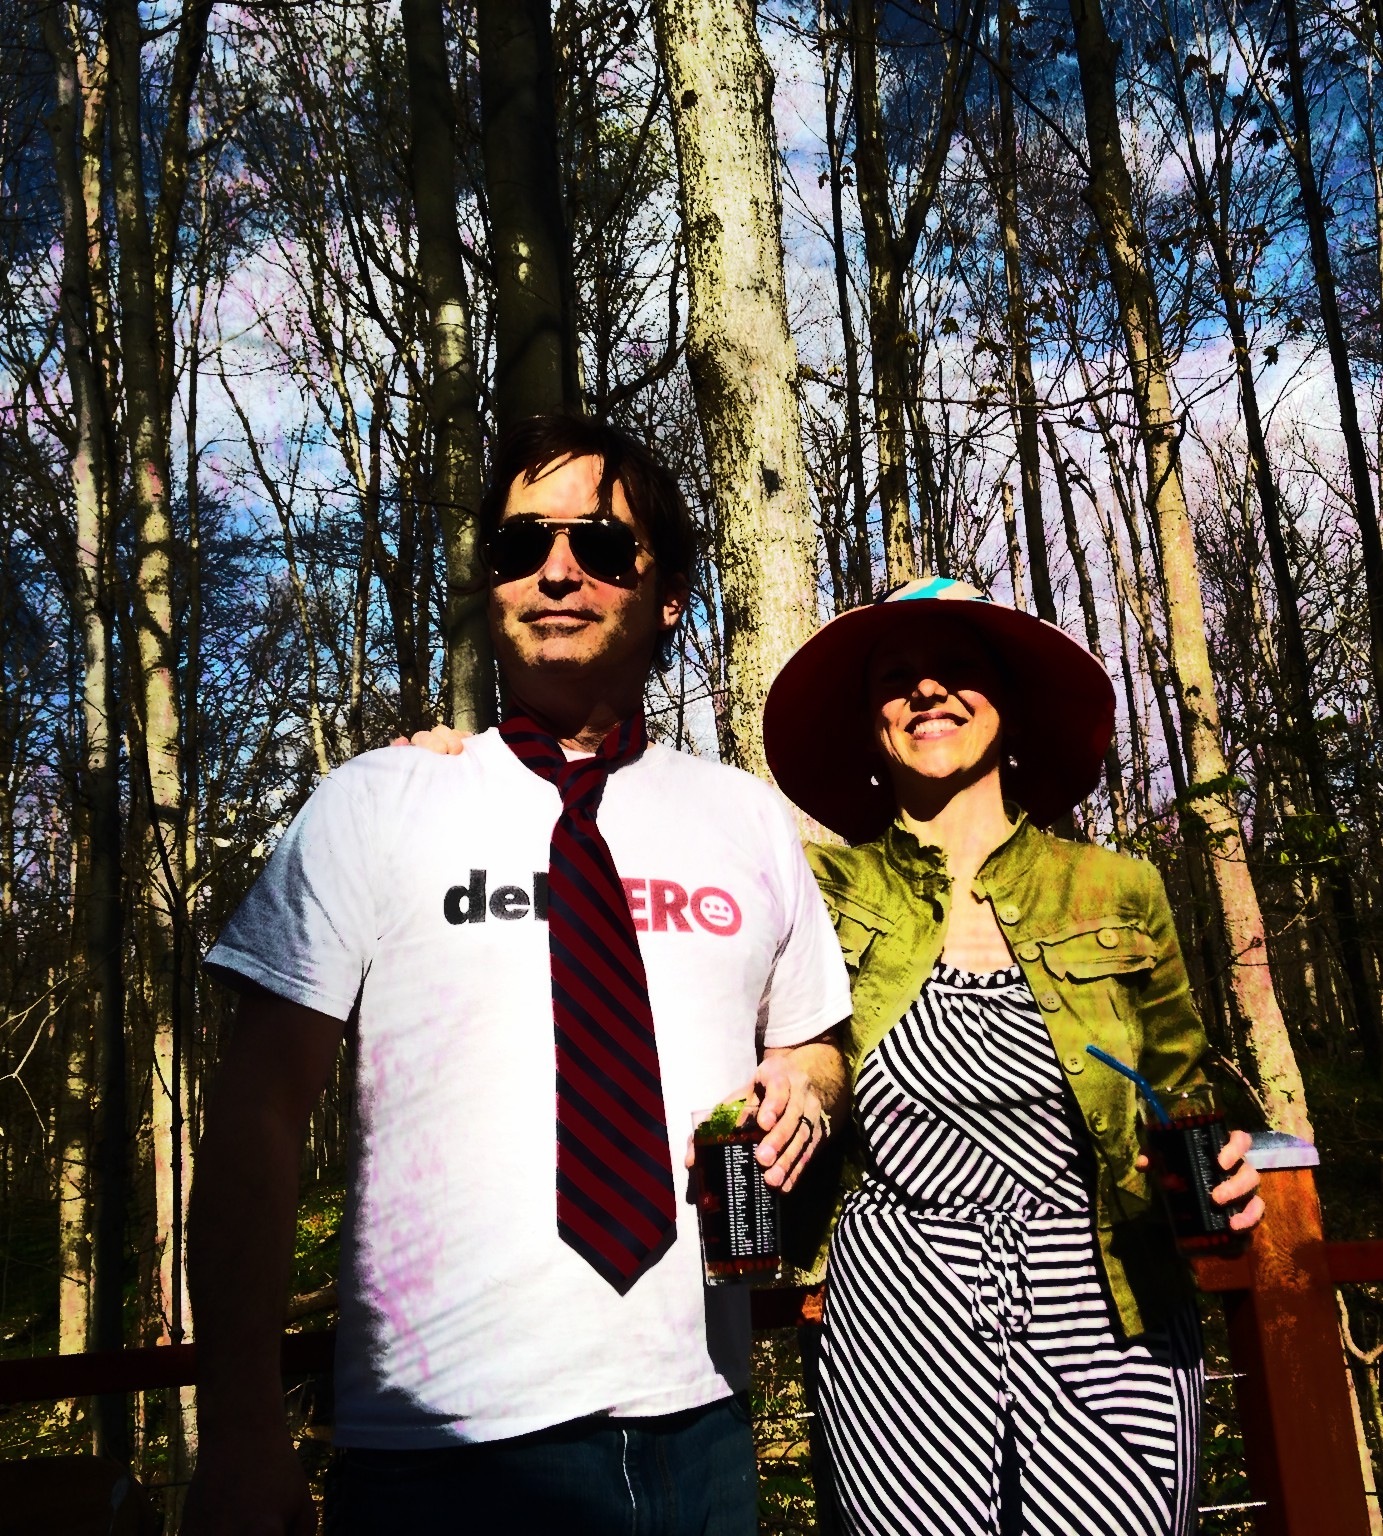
[1240, 1185]
[441, 739]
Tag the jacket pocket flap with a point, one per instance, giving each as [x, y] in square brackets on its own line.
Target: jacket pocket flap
[1110, 950]
[857, 926]
[843, 906]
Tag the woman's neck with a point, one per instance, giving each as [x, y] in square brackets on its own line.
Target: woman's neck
[967, 825]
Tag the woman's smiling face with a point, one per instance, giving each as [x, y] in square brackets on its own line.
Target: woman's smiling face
[932, 709]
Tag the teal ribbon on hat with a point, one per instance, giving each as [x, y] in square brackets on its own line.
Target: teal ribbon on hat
[929, 586]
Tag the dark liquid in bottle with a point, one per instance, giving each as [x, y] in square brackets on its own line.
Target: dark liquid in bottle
[1185, 1161]
[737, 1210]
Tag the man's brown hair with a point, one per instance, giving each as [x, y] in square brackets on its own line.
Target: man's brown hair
[535, 444]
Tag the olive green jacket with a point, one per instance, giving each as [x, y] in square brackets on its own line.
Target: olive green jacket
[1093, 933]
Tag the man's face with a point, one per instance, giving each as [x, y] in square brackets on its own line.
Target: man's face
[561, 619]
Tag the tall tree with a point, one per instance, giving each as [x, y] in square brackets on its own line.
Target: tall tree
[97, 1012]
[833, 45]
[1002, 166]
[535, 338]
[742, 359]
[147, 251]
[1296, 130]
[891, 242]
[1210, 796]
[1211, 186]
[453, 397]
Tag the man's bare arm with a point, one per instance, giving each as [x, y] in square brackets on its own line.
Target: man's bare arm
[241, 1226]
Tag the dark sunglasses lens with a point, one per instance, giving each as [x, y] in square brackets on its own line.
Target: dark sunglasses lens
[606, 551]
[518, 549]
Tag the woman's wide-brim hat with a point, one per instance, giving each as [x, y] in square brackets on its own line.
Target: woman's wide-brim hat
[1058, 702]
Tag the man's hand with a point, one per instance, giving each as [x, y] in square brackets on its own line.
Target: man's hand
[249, 1486]
[798, 1092]
[795, 1094]
[441, 739]
[1240, 1185]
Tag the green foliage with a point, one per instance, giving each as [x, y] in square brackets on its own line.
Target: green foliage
[778, 1399]
[317, 1247]
[723, 1120]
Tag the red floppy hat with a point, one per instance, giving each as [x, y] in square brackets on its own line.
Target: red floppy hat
[816, 724]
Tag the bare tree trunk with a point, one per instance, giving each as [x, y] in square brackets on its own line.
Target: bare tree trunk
[453, 396]
[1298, 140]
[96, 1010]
[146, 259]
[1213, 206]
[742, 360]
[1136, 599]
[1024, 388]
[1114, 778]
[535, 366]
[887, 341]
[890, 247]
[1210, 798]
[1015, 548]
[860, 562]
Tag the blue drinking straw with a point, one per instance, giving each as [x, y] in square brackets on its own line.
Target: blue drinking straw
[1136, 1078]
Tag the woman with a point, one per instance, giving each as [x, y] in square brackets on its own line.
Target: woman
[1011, 1342]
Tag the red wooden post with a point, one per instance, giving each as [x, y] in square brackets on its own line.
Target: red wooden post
[1284, 1336]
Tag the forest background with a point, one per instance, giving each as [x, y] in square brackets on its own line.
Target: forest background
[1082, 303]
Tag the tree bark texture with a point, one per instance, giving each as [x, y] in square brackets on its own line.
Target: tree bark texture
[1015, 548]
[859, 559]
[1214, 209]
[535, 336]
[742, 359]
[1210, 797]
[1298, 139]
[453, 391]
[96, 1015]
[145, 283]
[1024, 387]
[890, 246]
[1114, 778]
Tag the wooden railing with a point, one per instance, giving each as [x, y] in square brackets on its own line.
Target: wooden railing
[1300, 1443]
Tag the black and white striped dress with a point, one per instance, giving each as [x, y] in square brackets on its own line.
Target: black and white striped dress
[973, 1379]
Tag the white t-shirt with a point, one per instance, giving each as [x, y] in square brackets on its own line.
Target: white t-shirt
[414, 884]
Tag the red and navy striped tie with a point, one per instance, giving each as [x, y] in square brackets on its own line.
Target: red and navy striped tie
[615, 1201]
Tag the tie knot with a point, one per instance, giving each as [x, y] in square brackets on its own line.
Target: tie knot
[580, 784]
[580, 781]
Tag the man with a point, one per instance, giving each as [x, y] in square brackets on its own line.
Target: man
[552, 950]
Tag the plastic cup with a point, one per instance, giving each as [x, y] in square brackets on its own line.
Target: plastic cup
[736, 1211]
[1184, 1159]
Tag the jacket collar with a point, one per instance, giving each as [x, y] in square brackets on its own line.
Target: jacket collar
[923, 865]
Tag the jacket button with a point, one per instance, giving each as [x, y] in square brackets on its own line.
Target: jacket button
[1009, 913]
[1107, 938]
[1073, 1065]
[1049, 1002]
[1099, 1122]
[1029, 952]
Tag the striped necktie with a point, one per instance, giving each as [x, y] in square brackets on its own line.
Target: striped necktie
[615, 1201]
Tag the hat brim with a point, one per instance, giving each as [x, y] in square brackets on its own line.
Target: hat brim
[817, 731]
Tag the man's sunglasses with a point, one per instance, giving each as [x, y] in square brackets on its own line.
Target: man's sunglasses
[602, 546]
